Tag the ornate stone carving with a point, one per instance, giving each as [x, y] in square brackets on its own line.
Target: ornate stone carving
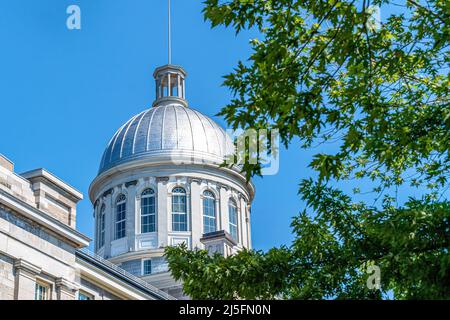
[107, 192]
[162, 179]
[66, 285]
[221, 185]
[131, 183]
[198, 181]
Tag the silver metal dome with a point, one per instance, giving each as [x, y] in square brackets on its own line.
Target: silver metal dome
[167, 130]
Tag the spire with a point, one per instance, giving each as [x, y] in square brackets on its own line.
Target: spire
[169, 33]
[170, 79]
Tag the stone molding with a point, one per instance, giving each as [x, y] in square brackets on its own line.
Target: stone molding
[107, 193]
[27, 267]
[131, 183]
[66, 285]
[196, 180]
[162, 179]
[220, 235]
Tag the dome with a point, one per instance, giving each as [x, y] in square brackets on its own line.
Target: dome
[170, 131]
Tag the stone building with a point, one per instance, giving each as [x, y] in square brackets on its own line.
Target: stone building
[160, 183]
[42, 255]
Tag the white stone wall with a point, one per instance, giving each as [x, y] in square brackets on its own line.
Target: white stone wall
[195, 180]
[6, 278]
[17, 186]
[132, 184]
[34, 247]
[31, 254]
[34, 254]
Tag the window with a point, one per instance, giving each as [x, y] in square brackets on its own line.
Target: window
[148, 211]
[84, 296]
[147, 267]
[179, 213]
[233, 219]
[42, 291]
[101, 227]
[209, 212]
[121, 216]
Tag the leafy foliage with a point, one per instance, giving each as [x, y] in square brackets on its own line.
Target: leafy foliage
[249, 274]
[321, 73]
[331, 254]
[325, 71]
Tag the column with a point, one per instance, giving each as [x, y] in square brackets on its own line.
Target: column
[162, 212]
[109, 223]
[224, 208]
[196, 214]
[243, 222]
[249, 227]
[218, 213]
[96, 233]
[183, 88]
[131, 215]
[161, 87]
[158, 88]
[25, 280]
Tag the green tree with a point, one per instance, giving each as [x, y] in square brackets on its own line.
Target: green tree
[329, 72]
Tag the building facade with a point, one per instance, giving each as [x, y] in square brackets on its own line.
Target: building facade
[43, 256]
[161, 183]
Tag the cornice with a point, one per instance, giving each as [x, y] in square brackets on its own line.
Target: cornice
[134, 165]
[24, 265]
[78, 239]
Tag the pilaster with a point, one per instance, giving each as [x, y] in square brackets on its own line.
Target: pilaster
[65, 289]
[131, 215]
[243, 222]
[25, 280]
[162, 211]
[196, 213]
[109, 223]
[224, 208]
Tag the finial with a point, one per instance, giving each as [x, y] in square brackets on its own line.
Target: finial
[170, 79]
[169, 34]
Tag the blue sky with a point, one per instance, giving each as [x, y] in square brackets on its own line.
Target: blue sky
[64, 93]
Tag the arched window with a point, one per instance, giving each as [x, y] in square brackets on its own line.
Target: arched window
[148, 211]
[101, 227]
[209, 212]
[233, 219]
[179, 212]
[121, 216]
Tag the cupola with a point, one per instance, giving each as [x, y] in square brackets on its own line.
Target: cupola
[170, 85]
